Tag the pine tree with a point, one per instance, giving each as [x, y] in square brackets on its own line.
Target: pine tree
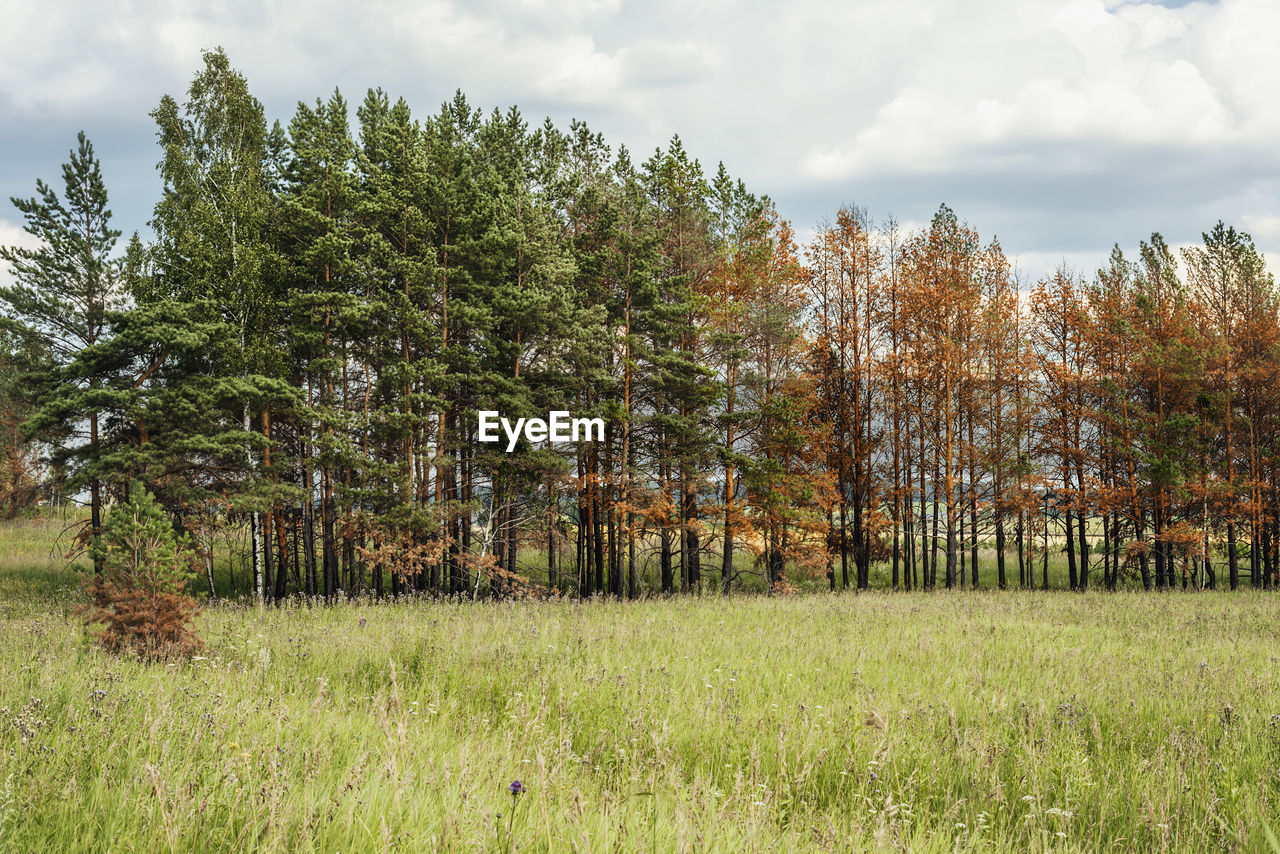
[684, 387]
[328, 315]
[140, 595]
[63, 289]
[743, 243]
[395, 256]
[1168, 367]
[454, 207]
[788, 484]
[213, 241]
[1223, 274]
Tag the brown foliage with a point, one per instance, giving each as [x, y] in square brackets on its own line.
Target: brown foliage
[140, 596]
[19, 480]
[141, 617]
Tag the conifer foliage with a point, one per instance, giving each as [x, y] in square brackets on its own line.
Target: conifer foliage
[140, 597]
[61, 291]
[294, 368]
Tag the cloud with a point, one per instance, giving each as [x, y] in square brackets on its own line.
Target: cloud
[660, 64]
[573, 10]
[1133, 77]
[1263, 225]
[1060, 126]
[12, 234]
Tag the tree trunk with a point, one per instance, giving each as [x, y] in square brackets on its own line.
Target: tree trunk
[95, 503]
[1001, 580]
[1084, 552]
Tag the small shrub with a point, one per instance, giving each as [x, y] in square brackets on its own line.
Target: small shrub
[141, 597]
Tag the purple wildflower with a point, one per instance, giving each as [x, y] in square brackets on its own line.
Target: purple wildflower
[516, 788]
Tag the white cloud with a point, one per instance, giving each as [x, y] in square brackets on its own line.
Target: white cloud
[1061, 126]
[573, 10]
[12, 234]
[573, 71]
[1132, 76]
[1263, 225]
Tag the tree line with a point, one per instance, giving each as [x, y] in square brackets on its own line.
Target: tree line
[295, 363]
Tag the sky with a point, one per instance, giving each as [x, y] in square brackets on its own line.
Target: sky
[1060, 126]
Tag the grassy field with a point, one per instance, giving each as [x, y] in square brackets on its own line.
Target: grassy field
[958, 722]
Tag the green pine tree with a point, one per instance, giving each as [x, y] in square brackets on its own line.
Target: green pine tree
[213, 225]
[140, 597]
[62, 291]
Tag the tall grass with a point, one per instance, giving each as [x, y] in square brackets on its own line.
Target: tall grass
[37, 572]
[976, 721]
[960, 721]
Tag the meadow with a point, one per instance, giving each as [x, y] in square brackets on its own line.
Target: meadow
[987, 721]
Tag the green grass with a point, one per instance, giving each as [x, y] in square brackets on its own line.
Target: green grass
[35, 575]
[943, 721]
